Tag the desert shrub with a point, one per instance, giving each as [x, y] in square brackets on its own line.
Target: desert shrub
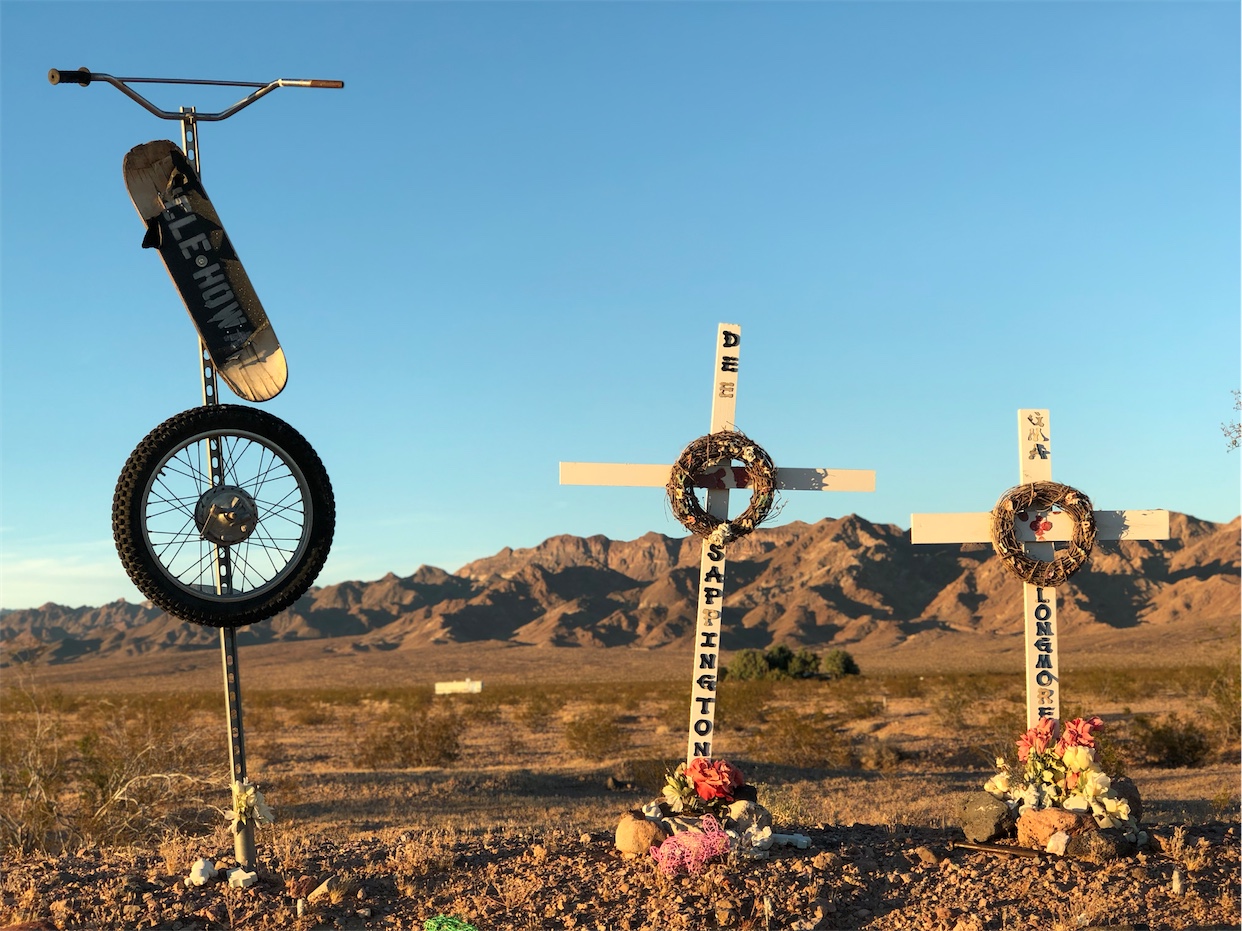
[141, 767]
[648, 773]
[861, 707]
[778, 659]
[740, 704]
[879, 755]
[904, 686]
[804, 664]
[596, 735]
[34, 779]
[1224, 701]
[805, 741]
[480, 709]
[1169, 742]
[537, 711]
[422, 737]
[838, 663]
[135, 772]
[787, 804]
[749, 664]
[313, 714]
[997, 735]
[777, 662]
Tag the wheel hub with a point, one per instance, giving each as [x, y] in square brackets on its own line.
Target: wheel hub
[226, 515]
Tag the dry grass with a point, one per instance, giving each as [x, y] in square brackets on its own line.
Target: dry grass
[497, 807]
[879, 749]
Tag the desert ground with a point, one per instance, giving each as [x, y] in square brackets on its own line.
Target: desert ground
[499, 809]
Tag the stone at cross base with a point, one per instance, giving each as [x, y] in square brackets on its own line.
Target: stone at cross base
[636, 834]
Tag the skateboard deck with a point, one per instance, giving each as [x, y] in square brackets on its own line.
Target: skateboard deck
[183, 225]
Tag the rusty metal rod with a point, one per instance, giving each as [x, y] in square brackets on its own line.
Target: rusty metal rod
[1002, 849]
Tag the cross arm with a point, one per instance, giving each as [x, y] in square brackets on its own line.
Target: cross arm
[656, 476]
[977, 528]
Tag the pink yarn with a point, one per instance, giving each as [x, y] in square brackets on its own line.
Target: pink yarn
[689, 851]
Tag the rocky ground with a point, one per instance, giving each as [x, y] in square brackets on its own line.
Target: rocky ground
[855, 876]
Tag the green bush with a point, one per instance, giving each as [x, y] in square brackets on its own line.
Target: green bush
[804, 664]
[777, 662]
[749, 664]
[778, 659]
[838, 663]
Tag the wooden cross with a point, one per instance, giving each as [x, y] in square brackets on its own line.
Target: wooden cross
[1043, 683]
[712, 565]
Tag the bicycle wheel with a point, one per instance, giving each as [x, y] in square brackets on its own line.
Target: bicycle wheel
[232, 552]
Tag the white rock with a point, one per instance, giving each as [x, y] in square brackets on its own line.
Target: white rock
[201, 873]
[1057, 843]
[241, 878]
[801, 841]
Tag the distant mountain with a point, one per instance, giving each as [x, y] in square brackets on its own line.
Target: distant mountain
[838, 581]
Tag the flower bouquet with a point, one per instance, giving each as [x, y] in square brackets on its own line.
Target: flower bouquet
[1061, 770]
[702, 787]
[248, 805]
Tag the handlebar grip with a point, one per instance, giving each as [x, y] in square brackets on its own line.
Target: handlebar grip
[81, 77]
[331, 84]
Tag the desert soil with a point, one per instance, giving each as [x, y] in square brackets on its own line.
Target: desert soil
[518, 833]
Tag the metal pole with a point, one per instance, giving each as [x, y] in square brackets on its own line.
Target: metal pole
[243, 841]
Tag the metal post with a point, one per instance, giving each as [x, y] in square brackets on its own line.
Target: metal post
[243, 840]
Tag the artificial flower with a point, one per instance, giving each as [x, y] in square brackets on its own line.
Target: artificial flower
[714, 779]
[1037, 739]
[1078, 758]
[248, 803]
[1077, 733]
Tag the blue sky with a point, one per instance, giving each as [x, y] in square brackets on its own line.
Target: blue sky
[508, 242]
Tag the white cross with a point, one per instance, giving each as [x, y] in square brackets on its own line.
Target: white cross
[1043, 684]
[712, 564]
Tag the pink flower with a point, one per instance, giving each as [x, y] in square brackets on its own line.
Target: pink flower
[1038, 738]
[714, 779]
[1078, 734]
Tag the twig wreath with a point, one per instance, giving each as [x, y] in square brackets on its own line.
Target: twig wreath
[1034, 496]
[714, 448]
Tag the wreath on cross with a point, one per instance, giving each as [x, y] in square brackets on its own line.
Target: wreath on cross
[710, 450]
[1036, 496]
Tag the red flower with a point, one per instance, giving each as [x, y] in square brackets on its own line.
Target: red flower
[714, 779]
[1078, 733]
[1038, 738]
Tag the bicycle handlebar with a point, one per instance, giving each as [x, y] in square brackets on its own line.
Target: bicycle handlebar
[84, 76]
[81, 76]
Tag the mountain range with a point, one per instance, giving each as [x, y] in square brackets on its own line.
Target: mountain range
[839, 581]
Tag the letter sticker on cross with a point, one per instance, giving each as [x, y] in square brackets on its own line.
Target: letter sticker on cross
[717, 484]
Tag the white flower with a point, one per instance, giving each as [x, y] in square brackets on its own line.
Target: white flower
[1079, 759]
[248, 802]
[1117, 807]
[1093, 784]
[998, 785]
[1077, 804]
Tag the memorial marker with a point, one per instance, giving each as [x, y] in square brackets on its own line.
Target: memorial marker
[1050, 518]
[718, 477]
